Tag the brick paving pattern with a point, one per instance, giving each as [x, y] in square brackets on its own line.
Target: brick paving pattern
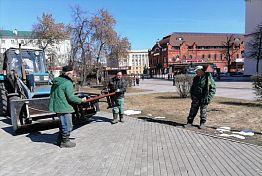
[135, 147]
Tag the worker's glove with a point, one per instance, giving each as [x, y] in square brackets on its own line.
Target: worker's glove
[84, 99]
[117, 90]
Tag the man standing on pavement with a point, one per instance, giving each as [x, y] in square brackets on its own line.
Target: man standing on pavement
[118, 84]
[202, 92]
[61, 99]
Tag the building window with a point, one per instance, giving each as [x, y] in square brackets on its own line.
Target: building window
[22, 41]
[203, 56]
[190, 57]
[215, 57]
[208, 56]
[237, 55]
[12, 42]
[3, 41]
[221, 56]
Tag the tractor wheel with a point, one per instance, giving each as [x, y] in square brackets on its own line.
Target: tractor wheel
[3, 100]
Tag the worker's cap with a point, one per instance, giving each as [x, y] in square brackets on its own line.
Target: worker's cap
[67, 68]
[199, 67]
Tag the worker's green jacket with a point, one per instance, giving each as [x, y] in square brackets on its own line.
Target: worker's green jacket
[62, 95]
[203, 88]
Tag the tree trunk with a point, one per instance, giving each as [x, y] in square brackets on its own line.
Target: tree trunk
[259, 50]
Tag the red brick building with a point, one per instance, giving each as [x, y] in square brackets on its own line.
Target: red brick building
[184, 49]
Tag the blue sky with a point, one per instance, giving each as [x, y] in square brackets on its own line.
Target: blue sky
[141, 21]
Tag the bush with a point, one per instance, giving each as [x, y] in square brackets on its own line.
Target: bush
[183, 84]
[257, 83]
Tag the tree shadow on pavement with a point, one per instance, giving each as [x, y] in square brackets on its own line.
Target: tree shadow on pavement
[167, 122]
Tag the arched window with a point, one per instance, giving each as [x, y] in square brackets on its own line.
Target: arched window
[203, 56]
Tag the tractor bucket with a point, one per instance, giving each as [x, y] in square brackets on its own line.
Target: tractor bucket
[24, 112]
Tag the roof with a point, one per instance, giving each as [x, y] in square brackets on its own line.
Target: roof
[22, 34]
[26, 48]
[201, 39]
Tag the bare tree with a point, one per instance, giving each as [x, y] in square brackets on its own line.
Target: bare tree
[254, 46]
[103, 37]
[48, 32]
[119, 51]
[81, 33]
[231, 46]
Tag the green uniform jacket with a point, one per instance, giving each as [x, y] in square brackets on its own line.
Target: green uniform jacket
[203, 88]
[62, 95]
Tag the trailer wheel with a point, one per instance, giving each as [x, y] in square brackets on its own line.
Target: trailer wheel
[3, 100]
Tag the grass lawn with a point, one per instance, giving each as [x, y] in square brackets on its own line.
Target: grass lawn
[234, 113]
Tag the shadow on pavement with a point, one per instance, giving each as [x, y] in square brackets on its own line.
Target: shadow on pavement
[6, 120]
[167, 122]
[169, 97]
[100, 119]
[43, 138]
[242, 104]
[9, 130]
[32, 128]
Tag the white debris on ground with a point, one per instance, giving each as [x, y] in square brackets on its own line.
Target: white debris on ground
[131, 112]
[226, 132]
[160, 117]
[223, 129]
[245, 133]
[232, 135]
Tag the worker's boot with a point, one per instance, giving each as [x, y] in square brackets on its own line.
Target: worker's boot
[189, 123]
[66, 143]
[121, 116]
[115, 119]
[202, 124]
[59, 139]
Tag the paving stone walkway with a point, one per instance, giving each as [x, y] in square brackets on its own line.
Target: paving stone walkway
[135, 147]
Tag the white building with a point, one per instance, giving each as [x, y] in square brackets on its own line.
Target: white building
[60, 51]
[253, 19]
[137, 60]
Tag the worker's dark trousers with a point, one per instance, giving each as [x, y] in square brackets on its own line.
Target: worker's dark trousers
[195, 105]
